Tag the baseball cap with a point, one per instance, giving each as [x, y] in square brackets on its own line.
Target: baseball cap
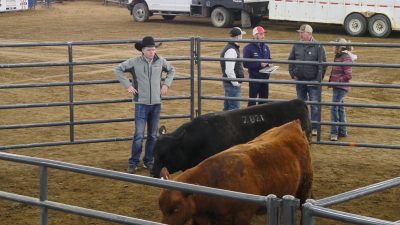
[258, 29]
[305, 28]
[236, 31]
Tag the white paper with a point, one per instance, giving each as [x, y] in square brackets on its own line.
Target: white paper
[269, 69]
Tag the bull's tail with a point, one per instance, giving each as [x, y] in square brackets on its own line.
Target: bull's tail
[305, 190]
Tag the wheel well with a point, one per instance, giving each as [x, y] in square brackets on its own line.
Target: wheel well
[140, 1]
[216, 6]
[134, 2]
[353, 13]
[388, 17]
[368, 15]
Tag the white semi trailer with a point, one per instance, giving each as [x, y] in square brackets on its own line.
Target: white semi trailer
[378, 17]
[221, 12]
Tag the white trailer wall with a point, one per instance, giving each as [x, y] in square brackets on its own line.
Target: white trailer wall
[14, 5]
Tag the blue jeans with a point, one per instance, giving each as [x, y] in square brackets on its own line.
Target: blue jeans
[231, 91]
[338, 113]
[309, 92]
[149, 114]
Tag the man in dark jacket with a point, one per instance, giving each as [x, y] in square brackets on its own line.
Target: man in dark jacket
[257, 51]
[232, 69]
[304, 52]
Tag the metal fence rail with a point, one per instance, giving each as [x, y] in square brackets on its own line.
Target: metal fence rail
[279, 211]
[194, 56]
[288, 204]
[70, 63]
[208, 77]
[315, 208]
[271, 202]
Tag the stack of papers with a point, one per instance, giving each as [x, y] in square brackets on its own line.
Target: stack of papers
[269, 69]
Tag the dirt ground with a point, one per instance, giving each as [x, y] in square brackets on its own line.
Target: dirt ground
[336, 169]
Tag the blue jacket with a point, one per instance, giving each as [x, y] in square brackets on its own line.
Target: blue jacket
[256, 51]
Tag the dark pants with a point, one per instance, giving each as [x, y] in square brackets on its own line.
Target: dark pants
[259, 90]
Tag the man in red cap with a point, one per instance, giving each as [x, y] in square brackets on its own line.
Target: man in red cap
[147, 89]
[257, 50]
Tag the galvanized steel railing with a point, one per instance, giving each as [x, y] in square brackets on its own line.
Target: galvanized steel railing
[201, 76]
[279, 211]
[71, 84]
[271, 202]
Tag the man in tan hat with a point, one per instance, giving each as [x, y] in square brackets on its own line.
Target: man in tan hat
[302, 72]
[147, 89]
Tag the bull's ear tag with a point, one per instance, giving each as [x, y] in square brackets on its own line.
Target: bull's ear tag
[162, 130]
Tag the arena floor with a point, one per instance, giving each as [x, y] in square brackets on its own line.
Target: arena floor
[336, 169]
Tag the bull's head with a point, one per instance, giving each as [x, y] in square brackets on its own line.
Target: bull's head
[177, 207]
[167, 154]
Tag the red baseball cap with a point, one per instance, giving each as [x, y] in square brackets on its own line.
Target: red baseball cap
[258, 30]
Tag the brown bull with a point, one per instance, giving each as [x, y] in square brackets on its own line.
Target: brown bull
[276, 162]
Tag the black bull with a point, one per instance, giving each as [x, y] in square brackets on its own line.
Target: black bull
[209, 134]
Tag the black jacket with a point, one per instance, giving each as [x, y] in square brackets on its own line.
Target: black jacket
[306, 52]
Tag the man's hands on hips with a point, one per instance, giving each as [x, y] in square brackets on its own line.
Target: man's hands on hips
[131, 89]
[164, 90]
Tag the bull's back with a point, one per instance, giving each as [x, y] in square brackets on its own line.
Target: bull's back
[271, 163]
[212, 133]
[242, 125]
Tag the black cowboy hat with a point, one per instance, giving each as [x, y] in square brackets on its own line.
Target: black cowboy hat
[146, 42]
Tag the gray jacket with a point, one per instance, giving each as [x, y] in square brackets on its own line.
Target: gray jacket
[146, 78]
[306, 53]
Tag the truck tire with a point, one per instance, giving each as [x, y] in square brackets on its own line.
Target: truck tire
[379, 26]
[168, 17]
[221, 17]
[140, 12]
[355, 24]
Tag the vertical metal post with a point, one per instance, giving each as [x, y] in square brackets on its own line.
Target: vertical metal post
[320, 71]
[43, 195]
[198, 77]
[306, 214]
[71, 93]
[192, 63]
[289, 206]
[272, 209]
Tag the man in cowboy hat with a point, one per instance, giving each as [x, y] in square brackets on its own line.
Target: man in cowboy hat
[147, 89]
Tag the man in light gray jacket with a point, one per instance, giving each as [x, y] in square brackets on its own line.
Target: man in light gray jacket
[147, 88]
